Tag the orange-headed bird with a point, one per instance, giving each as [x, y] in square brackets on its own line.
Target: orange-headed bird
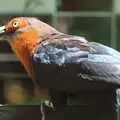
[47, 53]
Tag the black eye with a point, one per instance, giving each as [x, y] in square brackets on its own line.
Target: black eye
[15, 24]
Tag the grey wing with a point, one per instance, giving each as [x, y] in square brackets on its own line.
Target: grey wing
[103, 64]
[61, 52]
[96, 62]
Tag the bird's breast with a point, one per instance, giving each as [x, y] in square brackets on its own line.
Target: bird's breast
[24, 55]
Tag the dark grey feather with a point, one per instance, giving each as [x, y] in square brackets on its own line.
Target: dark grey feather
[96, 62]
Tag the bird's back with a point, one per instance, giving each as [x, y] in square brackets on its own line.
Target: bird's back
[74, 58]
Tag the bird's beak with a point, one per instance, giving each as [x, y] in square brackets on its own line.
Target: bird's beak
[2, 32]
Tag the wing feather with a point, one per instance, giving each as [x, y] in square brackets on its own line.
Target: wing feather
[94, 61]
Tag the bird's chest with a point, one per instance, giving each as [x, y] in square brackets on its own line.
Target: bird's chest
[23, 54]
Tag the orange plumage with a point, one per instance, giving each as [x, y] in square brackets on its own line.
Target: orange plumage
[23, 46]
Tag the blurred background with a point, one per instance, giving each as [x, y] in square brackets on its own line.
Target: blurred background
[97, 20]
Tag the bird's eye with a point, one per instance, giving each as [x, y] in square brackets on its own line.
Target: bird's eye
[15, 24]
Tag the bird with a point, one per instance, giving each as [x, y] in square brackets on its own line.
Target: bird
[48, 54]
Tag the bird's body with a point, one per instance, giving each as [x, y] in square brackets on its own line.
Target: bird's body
[36, 43]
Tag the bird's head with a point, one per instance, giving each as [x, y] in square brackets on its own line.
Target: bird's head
[23, 34]
[24, 30]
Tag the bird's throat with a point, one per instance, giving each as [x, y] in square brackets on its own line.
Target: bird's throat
[23, 48]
